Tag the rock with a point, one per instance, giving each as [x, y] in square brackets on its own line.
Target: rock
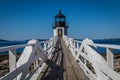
[4, 62]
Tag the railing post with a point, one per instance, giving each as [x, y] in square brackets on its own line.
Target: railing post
[51, 42]
[54, 41]
[77, 49]
[74, 47]
[48, 46]
[48, 43]
[34, 65]
[110, 58]
[77, 45]
[37, 66]
[12, 60]
[44, 45]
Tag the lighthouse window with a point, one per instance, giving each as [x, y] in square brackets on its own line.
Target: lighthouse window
[57, 19]
[62, 19]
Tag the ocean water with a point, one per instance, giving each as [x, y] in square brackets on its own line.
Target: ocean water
[107, 41]
[98, 49]
[11, 43]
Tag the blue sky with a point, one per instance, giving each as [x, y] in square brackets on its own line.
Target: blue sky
[27, 19]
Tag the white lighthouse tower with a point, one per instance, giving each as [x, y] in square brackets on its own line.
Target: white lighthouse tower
[60, 27]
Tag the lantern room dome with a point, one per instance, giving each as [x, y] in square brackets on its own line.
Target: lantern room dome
[60, 15]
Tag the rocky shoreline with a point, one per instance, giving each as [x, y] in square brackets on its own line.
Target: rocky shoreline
[4, 64]
[116, 62]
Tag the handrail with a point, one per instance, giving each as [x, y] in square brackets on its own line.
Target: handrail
[92, 63]
[7, 48]
[106, 45]
[32, 54]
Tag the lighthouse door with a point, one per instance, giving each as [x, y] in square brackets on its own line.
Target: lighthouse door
[60, 32]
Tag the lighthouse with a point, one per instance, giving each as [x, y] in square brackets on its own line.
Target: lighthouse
[60, 27]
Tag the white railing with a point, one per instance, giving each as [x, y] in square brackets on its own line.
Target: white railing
[32, 55]
[92, 63]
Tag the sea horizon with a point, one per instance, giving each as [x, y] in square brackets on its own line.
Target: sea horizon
[73, 38]
[99, 41]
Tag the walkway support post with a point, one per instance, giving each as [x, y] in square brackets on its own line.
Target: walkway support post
[45, 45]
[12, 60]
[110, 58]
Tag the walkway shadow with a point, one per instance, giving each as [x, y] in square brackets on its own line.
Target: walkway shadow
[55, 68]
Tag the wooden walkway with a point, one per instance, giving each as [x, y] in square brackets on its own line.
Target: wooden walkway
[62, 66]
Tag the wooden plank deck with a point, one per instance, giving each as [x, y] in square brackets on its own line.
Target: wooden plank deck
[62, 66]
